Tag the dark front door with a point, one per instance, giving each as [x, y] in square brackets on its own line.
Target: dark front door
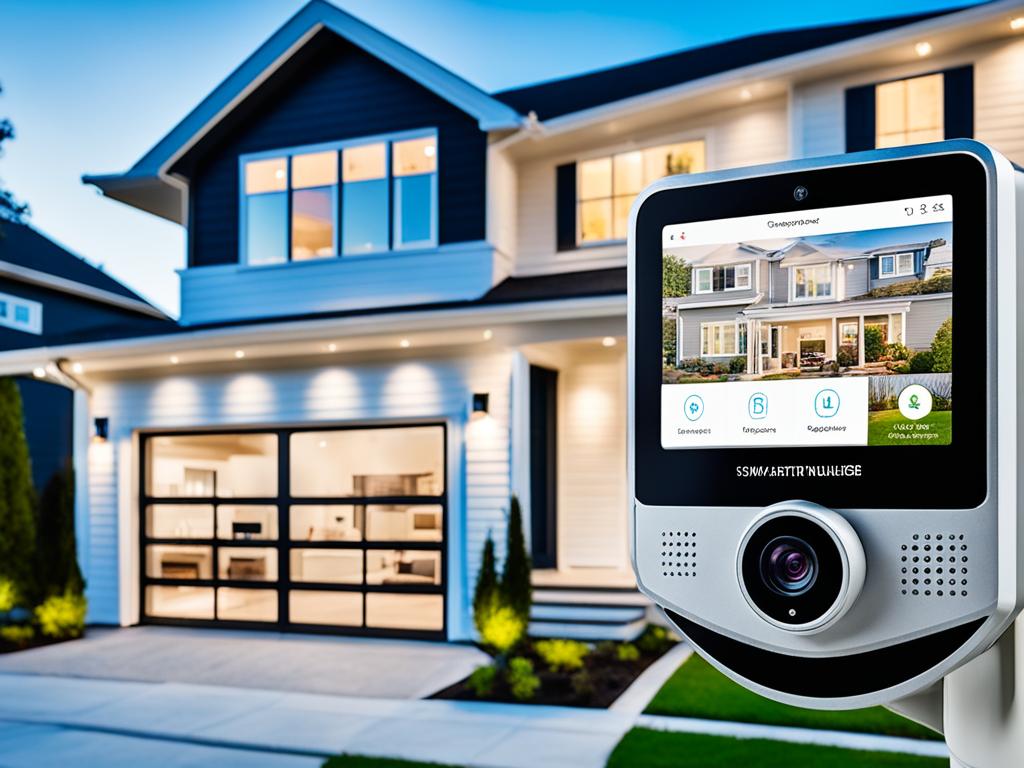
[543, 466]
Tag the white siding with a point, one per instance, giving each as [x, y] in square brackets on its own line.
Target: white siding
[432, 388]
[592, 462]
[998, 99]
[231, 292]
[756, 133]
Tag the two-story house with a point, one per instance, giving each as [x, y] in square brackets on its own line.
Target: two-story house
[404, 301]
[805, 302]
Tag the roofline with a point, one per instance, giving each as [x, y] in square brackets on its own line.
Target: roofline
[771, 68]
[46, 280]
[491, 113]
[22, 361]
[830, 309]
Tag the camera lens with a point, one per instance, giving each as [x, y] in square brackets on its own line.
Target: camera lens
[789, 566]
[800, 194]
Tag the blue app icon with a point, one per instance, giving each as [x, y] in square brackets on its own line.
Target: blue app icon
[826, 403]
[693, 407]
[757, 405]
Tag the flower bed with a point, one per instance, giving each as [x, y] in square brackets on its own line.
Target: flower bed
[563, 672]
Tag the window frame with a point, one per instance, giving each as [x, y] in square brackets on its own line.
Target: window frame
[897, 272]
[746, 265]
[388, 139]
[704, 327]
[701, 135]
[832, 282]
[34, 325]
[942, 98]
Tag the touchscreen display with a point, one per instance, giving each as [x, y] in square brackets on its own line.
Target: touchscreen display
[825, 327]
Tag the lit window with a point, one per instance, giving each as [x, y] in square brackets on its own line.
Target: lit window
[721, 339]
[21, 314]
[812, 282]
[364, 207]
[266, 221]
[415, 172]
[314, 189]
[734, 277]
[608, 185]
[909, 111]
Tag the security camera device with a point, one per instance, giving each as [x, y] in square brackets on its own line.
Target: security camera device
[812, 506]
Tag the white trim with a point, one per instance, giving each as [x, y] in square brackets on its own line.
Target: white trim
[832, 294]
[720, 303]
[12, 306]
[895, 256]
[74, 288]
[735, 267]
[813, 311]
[736, 330]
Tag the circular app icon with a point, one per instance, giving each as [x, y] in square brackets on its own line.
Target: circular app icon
[693, 407]
[757, 405]
[915, 402]
[826, 403]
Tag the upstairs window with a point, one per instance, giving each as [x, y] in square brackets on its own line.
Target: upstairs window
[21, 314]
[812, 282]
[909, 111]
[734, 277]
[608, 185]
[896, 265]
[350, 198]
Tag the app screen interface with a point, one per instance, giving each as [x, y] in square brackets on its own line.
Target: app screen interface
[825, 327]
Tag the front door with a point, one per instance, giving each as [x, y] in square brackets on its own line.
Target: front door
[543, 466]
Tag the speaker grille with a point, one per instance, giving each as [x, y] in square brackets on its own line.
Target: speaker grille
[679, 554]
[934, 565]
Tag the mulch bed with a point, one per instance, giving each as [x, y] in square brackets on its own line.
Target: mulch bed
[608, 678]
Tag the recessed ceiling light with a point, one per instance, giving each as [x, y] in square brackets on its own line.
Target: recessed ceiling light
[923, 48]
[488, 334]
[404, 343]
[239, 354]
[39, 373]
[746, 95]
[332, 347]
[174, 359]
[1017, 23]
[608, 341]
[77, 368]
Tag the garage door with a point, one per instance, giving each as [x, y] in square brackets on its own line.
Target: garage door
[332, 530]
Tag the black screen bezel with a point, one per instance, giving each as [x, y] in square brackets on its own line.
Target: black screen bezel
[950, 476]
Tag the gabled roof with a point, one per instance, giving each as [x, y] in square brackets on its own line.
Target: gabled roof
[554, 98]
[149, 186]
[29, 256]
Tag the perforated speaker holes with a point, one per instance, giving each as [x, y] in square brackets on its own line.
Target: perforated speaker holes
[934, 565]
[679, 554]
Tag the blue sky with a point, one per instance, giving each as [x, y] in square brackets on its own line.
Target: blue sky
[91, 86]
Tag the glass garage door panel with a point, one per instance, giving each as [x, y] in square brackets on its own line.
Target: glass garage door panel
[351, 538]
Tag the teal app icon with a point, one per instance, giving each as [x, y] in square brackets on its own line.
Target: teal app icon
[757, 406]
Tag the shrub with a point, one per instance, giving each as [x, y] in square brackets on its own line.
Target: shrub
[486, 593]
[942, 348]
[940, 282]
[17, 497]
[521, 681]
[56, 562]
[738, 365]
[668, 340]
[654, 641]
[583, 684]
[847, 355]
[62, 617]
[940, 403]
[516, 589]
[8, 596]
[502, 628]
[17, 634]
[481, 682]
[627, 652]
[562, 655]
[900, 367]
[896, 351]
[874, 343]
[922, 362]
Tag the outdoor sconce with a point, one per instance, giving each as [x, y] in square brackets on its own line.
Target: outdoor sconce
[100, 429]
[481, 404]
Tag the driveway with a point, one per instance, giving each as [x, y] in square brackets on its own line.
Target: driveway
[356, 667]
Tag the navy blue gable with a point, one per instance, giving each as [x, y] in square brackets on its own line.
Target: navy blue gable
[873, 267]
[919, 257]
[958, 102]
[565, 206]
[860, 118]
[330, 91]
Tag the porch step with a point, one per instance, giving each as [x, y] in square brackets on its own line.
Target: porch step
[588, 613]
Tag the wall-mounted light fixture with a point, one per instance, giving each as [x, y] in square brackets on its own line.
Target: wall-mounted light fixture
[100, 429]
[481, 404]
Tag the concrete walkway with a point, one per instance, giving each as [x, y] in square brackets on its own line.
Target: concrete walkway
[341, 666]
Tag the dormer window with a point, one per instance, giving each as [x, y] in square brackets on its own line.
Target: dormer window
[295, 209]
[896, 265]
[812, 282]
[732, 277]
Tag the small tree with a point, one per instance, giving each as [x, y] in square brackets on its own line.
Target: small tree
[56, 556]
[874, 343]
[942, 348]
[675, 277]
[517, 592]
[17, 502]
[668, 340]
[485, 595]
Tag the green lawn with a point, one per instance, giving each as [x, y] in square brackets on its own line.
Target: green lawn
[353, 761]
[699, 690]
[934, 429]
[642, 748]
